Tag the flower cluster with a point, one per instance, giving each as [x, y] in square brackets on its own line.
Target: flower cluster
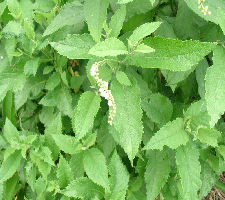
[204, 9]
[104, 91]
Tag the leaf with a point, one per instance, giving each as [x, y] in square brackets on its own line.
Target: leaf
[76, 164]
[156, 174]
[172, 135]
[29, 29]
[216, 8]
[142, 48]
[74, 46]
[96, 168]
[87, 108]
[143, 31]
[14, 8]
[10, 165]
[117, 21]
[10, 132]
[95, 13]
[70, 14]
[158, 108]
[64, 173]
[12, 28]
[189, 170]
[8, 109]
[124, 1]
[11, 187]
[221, 150]
[208, 136]
[119, 178]
[215, 86]
[31, 66]
[171, 54]
[67, 143]
[127, 121]
[122, 78]
[108, 47]
[197, 115]
[53, 81]
[83, 188]
[11, 81]
[208, 178]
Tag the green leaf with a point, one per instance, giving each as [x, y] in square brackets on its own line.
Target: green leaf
[208, 178]
[11, 187]
[189, 170]
[31, 66]
[208, 136]
[124, 1]
[122, 78]
[53, 81]
[174, 55]
[95, 13]
[60, 97]
[87, 108]
[14, 8]
[10, 165]
[119, 178]
[76, 164]
[74, 46]
[10, 132]
[158, 108]
[108, 47]
[83, 188]
[96, 168]
[117, 21]
[172, 135]
[216, 8]
[127, 121]
[66, 143]
[143, 31]
[29, 29]
[70, 14]
[215, 86]
[8, 109]
[12, 28]
[157, 173]
[11, 81]
[221, 150]
[142, 48]
[64, 173]
[197, 115]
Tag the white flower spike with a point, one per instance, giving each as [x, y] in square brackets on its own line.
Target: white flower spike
[104, 91]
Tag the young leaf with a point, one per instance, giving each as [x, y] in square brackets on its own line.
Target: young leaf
[215, 86]
[87, 108]
[175, 55]
[66, 143]
[127, 121]
[208, 136]
[70, 14]
[122, 78]
[157, 173]
[95, 13]
[10, 165]
[109, 47]
[119, 178]
[124, 1]
[74, 46]
[64, 173]
[29, 29]
[117, 21]
[143, 31]
[172, 135]
[189, 170]
[96, 168]
[31, 66]
[83, 188]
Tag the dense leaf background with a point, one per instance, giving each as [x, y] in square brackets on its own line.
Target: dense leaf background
[162, 64]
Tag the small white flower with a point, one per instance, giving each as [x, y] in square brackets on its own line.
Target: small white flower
[110, 103]
[1, 57]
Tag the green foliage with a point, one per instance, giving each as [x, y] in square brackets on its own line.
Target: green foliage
[111, 99]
